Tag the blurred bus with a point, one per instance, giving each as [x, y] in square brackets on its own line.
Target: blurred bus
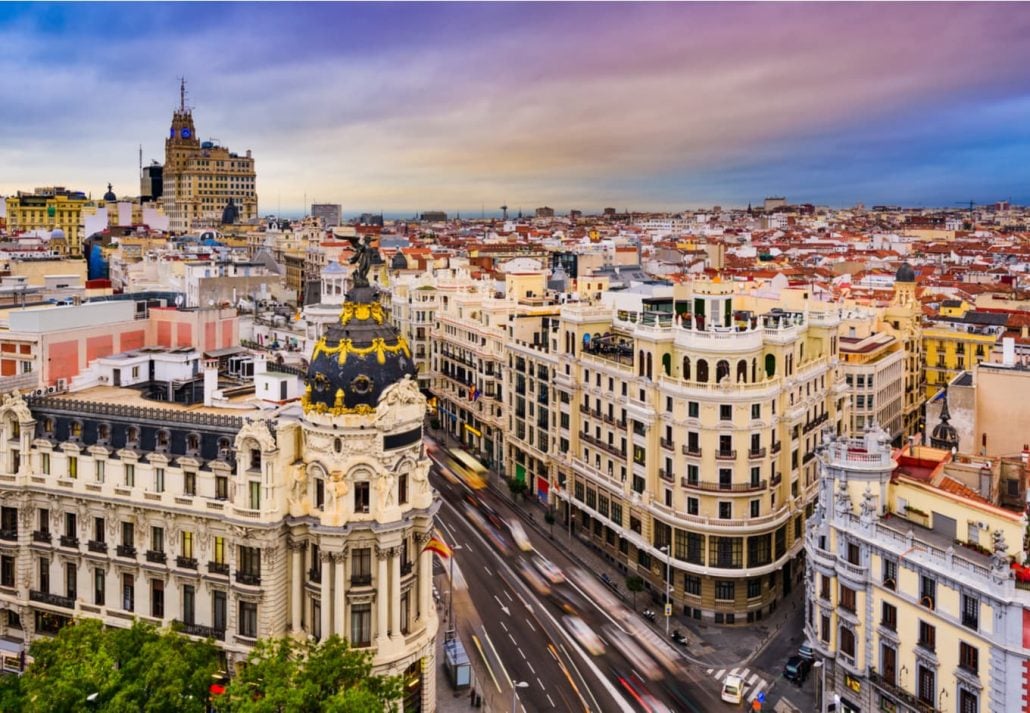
[470, 470]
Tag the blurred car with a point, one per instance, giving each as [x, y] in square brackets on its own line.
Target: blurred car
[518, 534]
[584, 635]
[733, 689]
[538, 583]
[632, 652]
[548, 569]
[796, 669]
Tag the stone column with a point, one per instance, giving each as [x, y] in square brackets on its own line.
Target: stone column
[339, 593]
[326, 597]
[395, 592]
[297, 585]
[425, 577]
[382, 595]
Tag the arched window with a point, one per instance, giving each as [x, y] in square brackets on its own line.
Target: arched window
[649, 365]
[193, 443]
[132, 437]
[742, 371]
[686, 368]
[754, 370]
[103, 433]
[770, 365]
[640, 363]
[667, 364]
[702, 371]
[722, 370]
[801, 353]
[790, 364]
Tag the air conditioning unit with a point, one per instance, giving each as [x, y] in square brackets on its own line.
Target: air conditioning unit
[62, 384]
[39, 392]
[51, 389]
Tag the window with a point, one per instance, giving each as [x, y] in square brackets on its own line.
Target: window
[6, 571]
[218, 554]
[725, 412]
[250, 561]
[756, 411]
[754, 587]
[159, 480]
[361, 497]
[128, 592]
[888, 663]
[44, 575]
[927, 636]
[693, 472]
[967, 700]
[889, 618]
[927, 591]
[824, 631]
[248, 619]
[847, 598]
[854, 556]
[130, 475]
[927, 685]
[361, 625]
[361, 563]
[970, 612]
[189, 482]
[157, 539]
[847, 642]
[725, 552]
[402, 489]
[189, 604]
[99, 586]
[186, 546]
[725, 510]
[99, 471]
[69, 525]
[218, 610]
[45, 464]
[824, 587]
[157, 599]
[404, 611]
[692, 506]
[98, 530]
[255, 495]
[968, 657]
[128, 537]
[692, 585]
[890, 574]
[756, 508]
[693, 409]
[221, 487]
[73, 467]
[724, 589]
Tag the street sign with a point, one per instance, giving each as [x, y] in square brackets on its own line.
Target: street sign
[668, 609]
[760, 697]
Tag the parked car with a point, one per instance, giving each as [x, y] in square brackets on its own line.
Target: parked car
[806, 652]
[796, 669]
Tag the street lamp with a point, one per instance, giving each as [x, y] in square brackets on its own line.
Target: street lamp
[515, 686]
[822, 684]
[450, 596]
[668, 602]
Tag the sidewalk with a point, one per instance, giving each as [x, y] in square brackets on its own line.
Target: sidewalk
[467, 622]
[707, 644]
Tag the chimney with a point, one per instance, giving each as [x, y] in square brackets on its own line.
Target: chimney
[210, 380]
[1008, 351]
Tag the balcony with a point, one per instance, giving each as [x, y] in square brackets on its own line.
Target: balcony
[730, 454]
[9, 535]
[42, 536]
[221, 568]
[248, 578]
[666, 444]
[69, 541]
[54, 599]
[807, 457]
[186, 562]
[776, 479]
[126, 551]
[315, 575]
[889, 686]
[406, 568]
[206, 632]
[692, 451]
[361, 580]
[97, 546]
[776, 447]
[756, 453]
[715, 486]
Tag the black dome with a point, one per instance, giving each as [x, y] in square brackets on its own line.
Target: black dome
[110, 196]
[905, 273]
[356, 359]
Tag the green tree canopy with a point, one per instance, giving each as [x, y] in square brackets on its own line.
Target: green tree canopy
[308, 677]
[135, 669]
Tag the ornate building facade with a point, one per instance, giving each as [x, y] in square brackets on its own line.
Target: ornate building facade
[308, 520]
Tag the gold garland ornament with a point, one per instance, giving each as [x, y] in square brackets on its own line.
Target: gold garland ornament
[337, 409]
[378, 346]
[362, 311]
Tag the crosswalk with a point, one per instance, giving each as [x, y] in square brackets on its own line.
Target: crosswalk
[753, 681]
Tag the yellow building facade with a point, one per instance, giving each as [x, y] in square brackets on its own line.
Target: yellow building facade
[49, 209]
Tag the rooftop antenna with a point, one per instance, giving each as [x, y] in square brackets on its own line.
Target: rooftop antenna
[504, 208]
[141, 160]
[182, 94]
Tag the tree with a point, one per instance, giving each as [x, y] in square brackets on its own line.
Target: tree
[135, 669]
[635, 583]
[308, 677]
[517, 487]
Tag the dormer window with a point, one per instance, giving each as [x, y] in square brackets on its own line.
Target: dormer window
[163, 439]
[132, 437]
[75, 430]
[224, 448]
[193, 444]
[255, 459]
[48, 426]
[103, 433]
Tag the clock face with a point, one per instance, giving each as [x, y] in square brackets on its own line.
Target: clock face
[185, 133]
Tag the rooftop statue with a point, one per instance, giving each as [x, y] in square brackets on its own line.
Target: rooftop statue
[364, 256]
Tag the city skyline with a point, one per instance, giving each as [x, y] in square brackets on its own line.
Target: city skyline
[459, 107]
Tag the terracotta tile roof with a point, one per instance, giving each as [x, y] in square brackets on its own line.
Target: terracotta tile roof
[950, 485]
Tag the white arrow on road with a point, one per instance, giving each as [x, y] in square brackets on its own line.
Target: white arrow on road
[504, 609]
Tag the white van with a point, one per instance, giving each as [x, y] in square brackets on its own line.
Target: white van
[733, 689]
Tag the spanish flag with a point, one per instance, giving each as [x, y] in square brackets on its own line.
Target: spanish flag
[438, 546]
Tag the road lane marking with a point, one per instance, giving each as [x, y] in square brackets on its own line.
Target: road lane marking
[530, 625]
[504, 609]
[542, 686]
[531, 669]
[513, 639]
[520, 652]
[751, 681]
[721, 672]
[489, 668]
[503, 626]
[508, 594]
[550, 701]
[488, 572]
[497, 656]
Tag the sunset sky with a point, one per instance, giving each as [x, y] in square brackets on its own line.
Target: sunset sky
[405, 107]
